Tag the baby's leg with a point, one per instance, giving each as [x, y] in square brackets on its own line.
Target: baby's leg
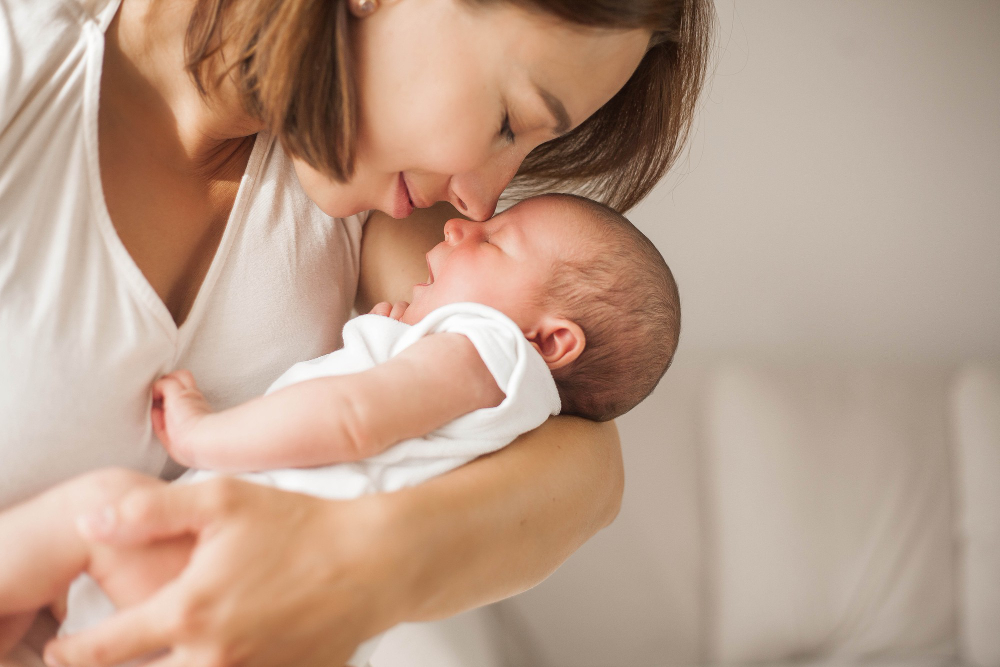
[42, 551]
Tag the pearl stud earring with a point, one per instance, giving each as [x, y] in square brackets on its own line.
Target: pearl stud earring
[363, 8]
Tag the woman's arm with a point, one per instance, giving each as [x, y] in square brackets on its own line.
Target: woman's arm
[505, 522]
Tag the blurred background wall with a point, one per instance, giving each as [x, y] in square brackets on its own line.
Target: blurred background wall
[842, 190]
[839, 205]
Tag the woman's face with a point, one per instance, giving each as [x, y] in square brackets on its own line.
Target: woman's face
[454, 96]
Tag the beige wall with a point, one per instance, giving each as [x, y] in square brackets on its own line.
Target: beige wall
[842, 191]
[841, 200]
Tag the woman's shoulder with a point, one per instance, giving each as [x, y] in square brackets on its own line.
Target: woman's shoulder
[23, 13]
[37, 39]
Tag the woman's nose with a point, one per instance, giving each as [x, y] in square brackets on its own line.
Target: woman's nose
[476, 193]
[473, 203]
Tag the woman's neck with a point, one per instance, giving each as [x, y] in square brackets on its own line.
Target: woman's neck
[145, 79]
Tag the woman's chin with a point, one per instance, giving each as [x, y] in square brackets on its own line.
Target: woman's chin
[338, 210]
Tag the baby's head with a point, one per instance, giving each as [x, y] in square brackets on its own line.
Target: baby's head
[586, 287]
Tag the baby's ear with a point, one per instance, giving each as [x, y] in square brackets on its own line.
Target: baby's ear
[558, 340]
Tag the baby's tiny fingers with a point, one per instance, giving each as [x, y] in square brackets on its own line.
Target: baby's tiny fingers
[167, 387]
[186, 378]
[159, 419]
[382, 308]
[398, 309]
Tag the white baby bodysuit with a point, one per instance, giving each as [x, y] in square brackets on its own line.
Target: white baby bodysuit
[519, 371]
[369, 340]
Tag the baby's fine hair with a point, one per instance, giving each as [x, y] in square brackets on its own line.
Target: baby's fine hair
[620, 291]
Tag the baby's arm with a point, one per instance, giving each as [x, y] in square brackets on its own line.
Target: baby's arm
[328, 420]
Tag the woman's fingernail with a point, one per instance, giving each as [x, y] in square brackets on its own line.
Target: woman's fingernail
[97, 524]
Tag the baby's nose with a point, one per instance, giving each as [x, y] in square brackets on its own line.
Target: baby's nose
[458, 230]
[454, 230]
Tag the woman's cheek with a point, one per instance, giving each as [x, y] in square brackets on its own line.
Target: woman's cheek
[445, 138]
[461, 150]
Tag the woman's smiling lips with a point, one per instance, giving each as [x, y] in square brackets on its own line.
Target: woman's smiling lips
[402, 205]
[415, 197]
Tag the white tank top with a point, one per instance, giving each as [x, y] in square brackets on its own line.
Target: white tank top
[82, 333]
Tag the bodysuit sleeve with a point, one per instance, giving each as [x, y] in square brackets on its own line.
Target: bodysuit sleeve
[518, 369]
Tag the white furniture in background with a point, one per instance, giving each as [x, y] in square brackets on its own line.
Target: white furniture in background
[819, 513]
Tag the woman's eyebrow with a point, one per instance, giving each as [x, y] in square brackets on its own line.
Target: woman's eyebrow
[557, 109]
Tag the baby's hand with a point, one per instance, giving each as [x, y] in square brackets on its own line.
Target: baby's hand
[178, 407]
[393, 310]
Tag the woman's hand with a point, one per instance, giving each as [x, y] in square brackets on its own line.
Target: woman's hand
[275, 579]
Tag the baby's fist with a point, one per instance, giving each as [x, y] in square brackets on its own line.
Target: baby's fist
[393, 310]
[178, 406]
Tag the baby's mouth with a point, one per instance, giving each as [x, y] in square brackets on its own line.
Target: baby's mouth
[430, 272]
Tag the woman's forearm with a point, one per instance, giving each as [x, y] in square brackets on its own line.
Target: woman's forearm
[503, 523]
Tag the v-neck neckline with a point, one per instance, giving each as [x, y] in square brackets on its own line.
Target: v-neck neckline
[126, 266]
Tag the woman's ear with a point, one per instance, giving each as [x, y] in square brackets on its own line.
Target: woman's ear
[558, 340]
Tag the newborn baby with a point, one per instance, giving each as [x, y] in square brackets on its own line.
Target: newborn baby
[556, 305]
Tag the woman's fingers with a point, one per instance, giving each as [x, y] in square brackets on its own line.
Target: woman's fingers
[131, 633]
[156, 513]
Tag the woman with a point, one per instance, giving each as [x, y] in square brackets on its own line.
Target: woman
[158, 161]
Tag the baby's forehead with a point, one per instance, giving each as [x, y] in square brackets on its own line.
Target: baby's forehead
[564, 224]
[563, 206]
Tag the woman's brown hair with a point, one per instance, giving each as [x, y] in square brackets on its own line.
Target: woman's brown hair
[294, 67]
